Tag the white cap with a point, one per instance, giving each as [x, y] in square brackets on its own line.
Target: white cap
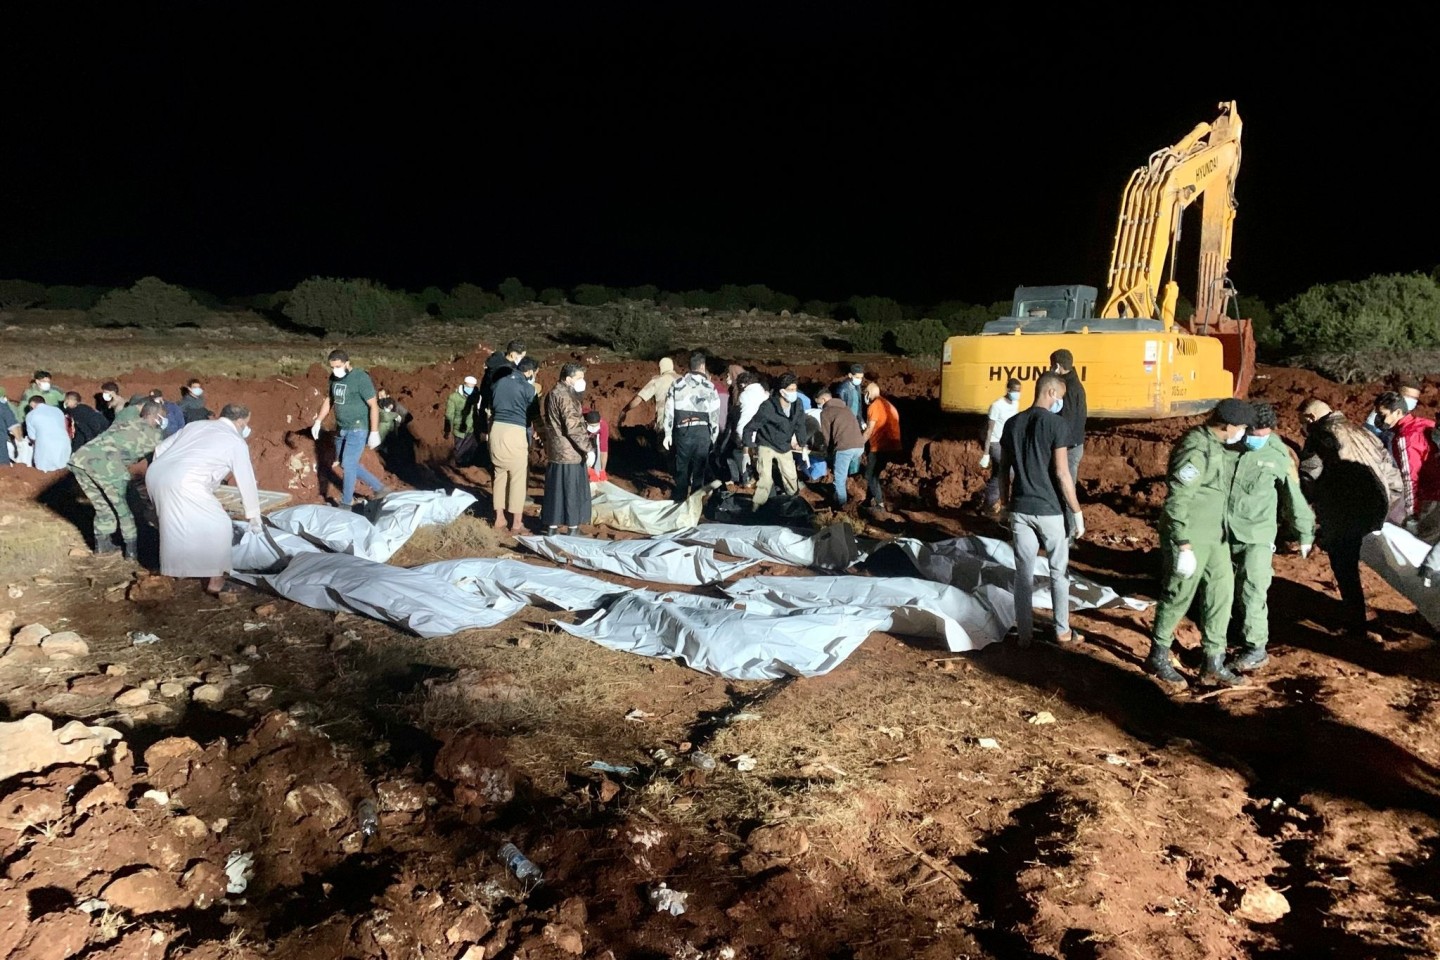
[471, 381]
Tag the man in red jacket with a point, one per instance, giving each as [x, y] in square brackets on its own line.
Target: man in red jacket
[1414, 453]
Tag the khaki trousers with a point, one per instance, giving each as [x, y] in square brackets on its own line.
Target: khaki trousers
[788, 478]
[510, 456]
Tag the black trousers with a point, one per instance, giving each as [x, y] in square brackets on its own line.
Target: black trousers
[874, 463]
[692, 455]
[1344, 552]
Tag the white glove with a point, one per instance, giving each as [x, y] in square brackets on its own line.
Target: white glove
[315, 429]
[985, 461]
[1077, 521]
[805, 456]
[1305, 549]
[257, 526]
[374, 439]
[1186, 564]
[665, 441]
[590, 459]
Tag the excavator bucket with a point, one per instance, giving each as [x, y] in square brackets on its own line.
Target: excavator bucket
[1237, 345]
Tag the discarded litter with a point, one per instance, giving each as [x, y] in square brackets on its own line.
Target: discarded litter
[1116, 760]
[519, 864]
[239, 867]
[604, 767]
[742, 717]
[1043, 717]
[139, 638]
[701, 760]
[668, 901]
[158, 796]
[251, 626]
[988, 743]
[744, 763]
[368, 817]
[638, 716]
[93, 905]
[662, 756]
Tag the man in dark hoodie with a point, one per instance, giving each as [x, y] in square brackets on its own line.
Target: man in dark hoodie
[192, 403]
[1075, 411]
[86, 423]
[775, 432]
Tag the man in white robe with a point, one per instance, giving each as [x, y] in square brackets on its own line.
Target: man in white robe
[45, 426]
[195, 531]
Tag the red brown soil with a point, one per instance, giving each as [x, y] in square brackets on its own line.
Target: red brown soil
[1131, 828]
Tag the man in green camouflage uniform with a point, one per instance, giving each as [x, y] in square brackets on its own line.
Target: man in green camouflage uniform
[1266, 489]
[1193, 541]
[102, 468]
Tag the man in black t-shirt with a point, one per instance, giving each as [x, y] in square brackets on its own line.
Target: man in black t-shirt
[1076, 410]
[1037, 488]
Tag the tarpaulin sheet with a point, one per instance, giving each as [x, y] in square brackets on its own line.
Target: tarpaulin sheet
[414, 599]
[378, 535]
[967, 622]
[561, 588]
[657, 561]
[722, 638]
[833, 548]
[1396, 554]
[970, 562]
[614, 507]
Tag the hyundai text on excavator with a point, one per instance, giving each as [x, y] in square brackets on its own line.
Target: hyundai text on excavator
[1136, 360]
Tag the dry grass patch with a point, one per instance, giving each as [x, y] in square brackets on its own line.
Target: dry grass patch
[460, 539]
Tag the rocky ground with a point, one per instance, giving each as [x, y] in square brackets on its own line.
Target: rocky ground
[201, 794]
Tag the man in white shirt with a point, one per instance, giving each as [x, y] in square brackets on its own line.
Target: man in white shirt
[45, 426]
[1000, 411]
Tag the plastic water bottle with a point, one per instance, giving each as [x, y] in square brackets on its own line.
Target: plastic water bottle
[701, 760]
[368, 817]
[520, 864]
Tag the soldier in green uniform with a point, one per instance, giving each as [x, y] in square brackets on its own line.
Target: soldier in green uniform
[1192, 537]
[1266, 489]
[41, 386]
[102, 468]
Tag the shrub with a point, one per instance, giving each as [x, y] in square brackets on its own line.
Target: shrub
[1267, 336]
[19, 294]
[552, 296]
[700, 299]
[921, 338]
[646, 291]
[593, 295]
[356, 306]
[429, 300]
[515, 293]
[642, 334]
[469, 301]
[150, 303]
[817, 308]
[1391, 312]
[866, 338]
[879, 310]
[65, 297]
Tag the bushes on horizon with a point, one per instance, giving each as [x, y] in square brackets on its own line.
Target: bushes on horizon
[876, 310]
[1380, 313]
[151, 303]
[817, 308]
[552, 296]
[469, 301]
[646, 291]
[642, 334]
[515, 293]
[593, 295]
[68, 297]
[921, 338]
[866, 338]
[19, 294]
[349, 306]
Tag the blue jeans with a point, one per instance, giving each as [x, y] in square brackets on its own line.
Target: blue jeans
[349, 444]
[843, 460]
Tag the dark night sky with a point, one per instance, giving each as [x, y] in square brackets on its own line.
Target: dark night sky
[241, 149]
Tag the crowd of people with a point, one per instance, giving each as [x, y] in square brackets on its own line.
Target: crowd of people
[1235, 490]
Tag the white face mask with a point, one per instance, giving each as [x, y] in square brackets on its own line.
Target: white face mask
[107, 397]
[1410, 402]
[339, 372]
[789, 395]
[1013, 396]
[592, 428]
[578, 384]
[163, 423]
[245, 434]
[42, 385]
[1234, 435]
[197, 392]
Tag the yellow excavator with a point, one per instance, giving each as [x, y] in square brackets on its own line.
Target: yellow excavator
[1136, 360]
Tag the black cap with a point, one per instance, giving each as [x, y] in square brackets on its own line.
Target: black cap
[857, 368]
[1235, 412]
[592, 416]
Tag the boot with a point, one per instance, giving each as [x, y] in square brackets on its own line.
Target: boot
[1251, 660]
[104, 544]
[132, 550]
[1216, 674]
[1159, 666]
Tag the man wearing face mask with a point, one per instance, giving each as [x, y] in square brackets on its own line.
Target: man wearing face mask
[174, 414]
[195, 531]
[40, 386]
[462, 409]
[568, 445]
[1266, 489]
[1075, 411]
[86, 423]
[852, 391]
[1410, 393]
[775, 433]
[1193, 540]
[513, 407]
[1035, 483]
[102, 469]
[690, 425]
[351, 394]
[192, 402]
[1414, 454]
[1000, 412]
[108, 401]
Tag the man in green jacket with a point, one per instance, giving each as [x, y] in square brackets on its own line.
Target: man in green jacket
[460, 415]
[41, 386]
[1194, 545]
[1266, 488]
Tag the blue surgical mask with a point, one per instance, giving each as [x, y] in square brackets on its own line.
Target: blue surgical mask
[1253, 442]
[1013, 396]
[1410, 402]
[467, 390]
[1058, 405]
